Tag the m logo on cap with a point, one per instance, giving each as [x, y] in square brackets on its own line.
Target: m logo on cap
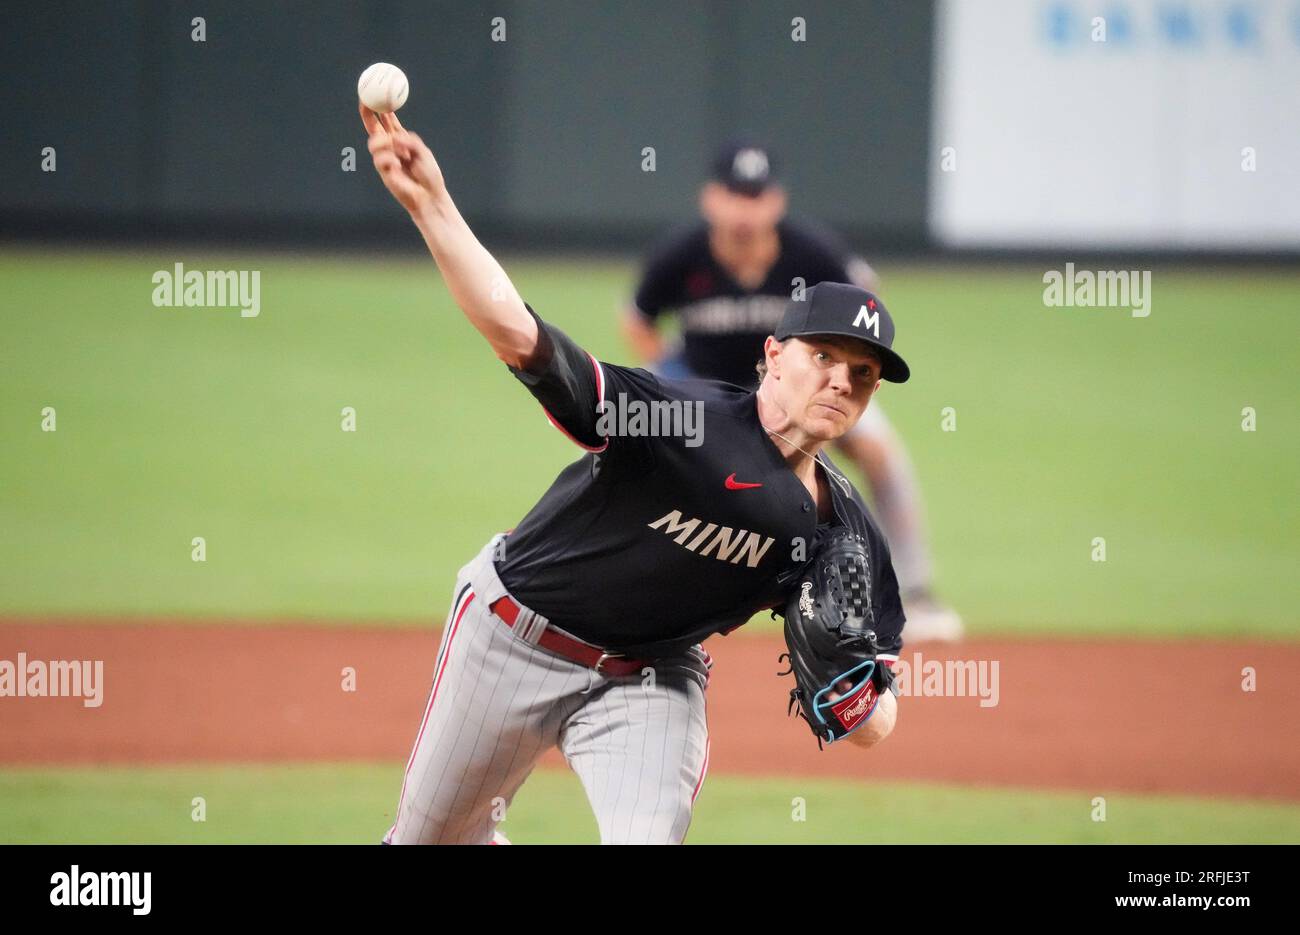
[868, 319]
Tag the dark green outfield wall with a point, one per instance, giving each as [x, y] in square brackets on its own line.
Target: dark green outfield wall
[541, 136]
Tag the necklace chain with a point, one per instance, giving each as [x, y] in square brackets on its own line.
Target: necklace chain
[841, 480]
[787, 441]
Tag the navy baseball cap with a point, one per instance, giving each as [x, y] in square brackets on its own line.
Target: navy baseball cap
[745, 168]
[838, 308]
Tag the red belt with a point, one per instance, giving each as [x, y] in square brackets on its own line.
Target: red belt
[593, 657]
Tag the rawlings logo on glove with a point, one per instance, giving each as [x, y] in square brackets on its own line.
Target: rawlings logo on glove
[830, 644]
[856, 707]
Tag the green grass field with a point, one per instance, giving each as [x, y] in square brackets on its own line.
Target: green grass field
[353, 804]
[175, 423]
[1071, 424]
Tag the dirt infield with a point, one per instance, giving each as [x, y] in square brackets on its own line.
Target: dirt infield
[1099, 716]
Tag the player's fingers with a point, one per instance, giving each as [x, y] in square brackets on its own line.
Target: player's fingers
[370, 120]
[840, 689]
[402, 145]
[391, 171]
[405, 164]
[397, 180]
[423, 165]
[414, 150]
[426, 172]
[409, 145]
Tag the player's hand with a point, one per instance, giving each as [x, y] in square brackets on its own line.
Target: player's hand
[405, 164]
[881, 724]
[841, 688]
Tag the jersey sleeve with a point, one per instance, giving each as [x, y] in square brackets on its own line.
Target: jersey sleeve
[573, 386]
[662, 283]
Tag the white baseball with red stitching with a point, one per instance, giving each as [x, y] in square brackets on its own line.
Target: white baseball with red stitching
[383, 88]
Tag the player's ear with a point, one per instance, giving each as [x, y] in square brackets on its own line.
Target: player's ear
[772, 352]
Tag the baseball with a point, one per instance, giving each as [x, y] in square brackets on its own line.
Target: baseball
[383, 88]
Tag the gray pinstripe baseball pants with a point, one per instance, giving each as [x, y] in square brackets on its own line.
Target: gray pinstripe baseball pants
[639, 743]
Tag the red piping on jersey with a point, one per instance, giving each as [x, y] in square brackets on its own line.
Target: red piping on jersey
[600, 400]
[704, 769]
[442, 667]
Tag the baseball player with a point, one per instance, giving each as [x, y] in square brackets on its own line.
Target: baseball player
[581, 628]
[727, 280]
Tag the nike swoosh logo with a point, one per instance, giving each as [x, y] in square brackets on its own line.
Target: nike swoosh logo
[733, 484]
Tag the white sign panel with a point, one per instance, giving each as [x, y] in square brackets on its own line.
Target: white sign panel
[1146, 124]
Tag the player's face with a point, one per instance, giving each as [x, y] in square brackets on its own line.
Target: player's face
[826, 383]
[742, 217]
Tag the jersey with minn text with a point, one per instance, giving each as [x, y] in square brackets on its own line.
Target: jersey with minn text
[682, 519]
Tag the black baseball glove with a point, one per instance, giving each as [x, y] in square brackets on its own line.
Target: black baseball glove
[831, 641]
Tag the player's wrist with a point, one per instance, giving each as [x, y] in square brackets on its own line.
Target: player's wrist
[440, 224]
[432, 211]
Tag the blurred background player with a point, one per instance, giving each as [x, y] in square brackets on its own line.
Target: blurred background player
[728, 278]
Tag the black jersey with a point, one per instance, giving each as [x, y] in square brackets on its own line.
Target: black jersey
[652, 542]
[722, 323]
